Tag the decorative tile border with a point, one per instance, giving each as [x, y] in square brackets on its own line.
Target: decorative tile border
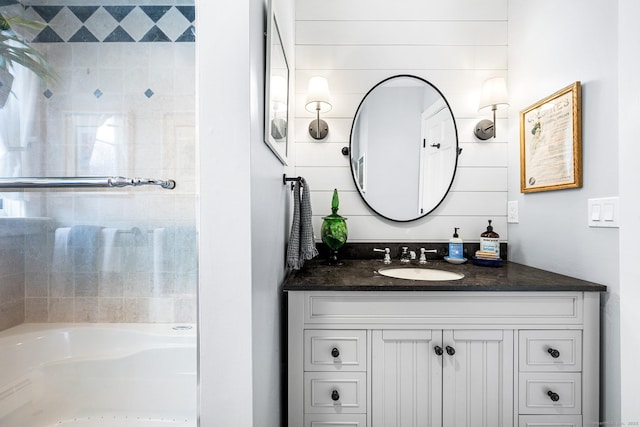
[114, 24]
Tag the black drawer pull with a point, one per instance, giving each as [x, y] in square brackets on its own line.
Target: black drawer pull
[438, 350]
[335, 352]
[450, 350]
[554, 353]
[553, 396]
[335, 396]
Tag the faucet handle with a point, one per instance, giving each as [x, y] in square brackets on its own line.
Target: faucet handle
[387, 254]
[423, 254]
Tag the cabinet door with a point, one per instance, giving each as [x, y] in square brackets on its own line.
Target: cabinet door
[406, 379]
[477, 378]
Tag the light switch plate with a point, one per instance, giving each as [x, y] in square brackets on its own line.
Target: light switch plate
[603, 212]
[512, 212]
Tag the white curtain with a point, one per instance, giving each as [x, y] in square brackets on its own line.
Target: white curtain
[17, 121]
[17, 116]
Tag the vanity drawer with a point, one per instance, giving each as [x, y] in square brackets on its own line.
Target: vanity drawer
[551, 350]
[335, 392]
[550, 393]
[334, 420]
[335, 350]
[450, 308]
[550, 421]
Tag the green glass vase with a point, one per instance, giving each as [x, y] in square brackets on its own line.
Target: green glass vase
[334, 230]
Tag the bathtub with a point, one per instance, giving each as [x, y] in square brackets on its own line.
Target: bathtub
[98, 375]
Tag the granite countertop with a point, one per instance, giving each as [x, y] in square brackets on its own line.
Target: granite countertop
[362, 275]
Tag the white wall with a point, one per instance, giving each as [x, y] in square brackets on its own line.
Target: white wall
[550, 48]
[455, 45]
[629, 111]
[270, 218]
[244, 220]
[225, 280]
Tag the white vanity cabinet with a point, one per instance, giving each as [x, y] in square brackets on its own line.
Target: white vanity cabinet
[441, 377]
[442, 359]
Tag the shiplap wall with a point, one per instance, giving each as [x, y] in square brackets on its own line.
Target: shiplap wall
[455, 45]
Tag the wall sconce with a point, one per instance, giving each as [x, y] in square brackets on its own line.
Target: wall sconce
[318, 100]
[494, 93]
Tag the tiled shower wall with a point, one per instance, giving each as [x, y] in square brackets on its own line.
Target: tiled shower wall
[124, 104]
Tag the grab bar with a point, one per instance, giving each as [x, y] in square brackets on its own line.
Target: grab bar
[83, 182]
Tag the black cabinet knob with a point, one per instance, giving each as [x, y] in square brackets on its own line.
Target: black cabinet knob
[438, 350]
[553, 396]
[335, 352]
[450, 350]
[554, 353]
[335, 396]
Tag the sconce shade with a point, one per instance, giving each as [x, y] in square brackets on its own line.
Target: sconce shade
[318, 98]
[318, 101]
[494, 92]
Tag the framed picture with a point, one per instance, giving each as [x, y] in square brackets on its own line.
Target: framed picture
[551, 142]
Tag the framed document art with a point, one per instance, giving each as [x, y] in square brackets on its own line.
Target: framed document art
[551, 142]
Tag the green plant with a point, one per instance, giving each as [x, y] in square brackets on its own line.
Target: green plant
[16, 50]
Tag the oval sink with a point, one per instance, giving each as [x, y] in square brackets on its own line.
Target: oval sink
[420, 274]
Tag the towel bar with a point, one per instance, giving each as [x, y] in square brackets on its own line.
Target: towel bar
[83, 182]
[286, 179]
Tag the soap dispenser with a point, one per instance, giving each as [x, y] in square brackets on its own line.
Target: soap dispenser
[455, 246]
[490, 241]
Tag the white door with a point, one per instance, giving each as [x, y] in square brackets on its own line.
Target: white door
[477, 378]
[437, 155]
[406, 379]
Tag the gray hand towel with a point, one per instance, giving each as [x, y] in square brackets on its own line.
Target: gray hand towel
[302, 245]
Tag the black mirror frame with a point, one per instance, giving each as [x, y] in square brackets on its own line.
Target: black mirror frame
[353, 172]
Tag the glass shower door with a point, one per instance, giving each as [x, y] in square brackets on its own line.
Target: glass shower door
[99, 286]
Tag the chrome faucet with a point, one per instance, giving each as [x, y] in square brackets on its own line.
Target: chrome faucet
[387, 255]
[406, 256]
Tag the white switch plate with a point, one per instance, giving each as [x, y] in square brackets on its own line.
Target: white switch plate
[603, 212]
[512, 212]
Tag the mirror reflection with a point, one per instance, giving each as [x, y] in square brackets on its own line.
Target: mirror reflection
[403, 148]
[276, 92]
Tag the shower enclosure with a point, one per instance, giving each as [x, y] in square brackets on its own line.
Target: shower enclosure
[117, 254]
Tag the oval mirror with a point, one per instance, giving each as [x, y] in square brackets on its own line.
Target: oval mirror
[403, 148]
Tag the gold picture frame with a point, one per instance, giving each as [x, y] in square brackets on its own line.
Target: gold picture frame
[551, 142]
